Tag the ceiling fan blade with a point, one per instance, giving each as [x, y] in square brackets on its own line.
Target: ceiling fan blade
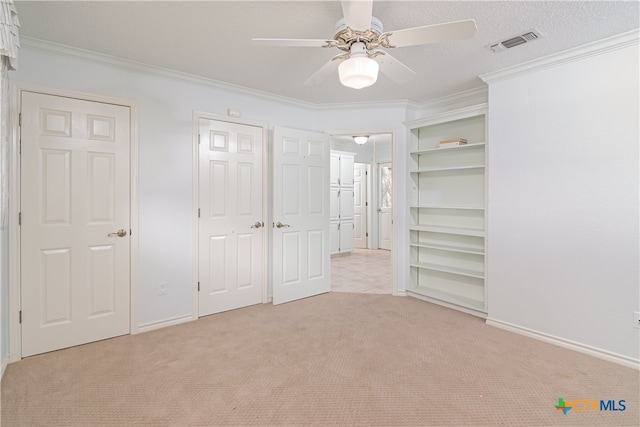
[357, 14]
[292, 42]
[394, 69]
[458, 30]
[319, 76]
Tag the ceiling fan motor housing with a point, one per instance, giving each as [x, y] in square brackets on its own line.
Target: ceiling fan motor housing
[346, 36]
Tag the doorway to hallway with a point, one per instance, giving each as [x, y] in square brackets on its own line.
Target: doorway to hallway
[369, 267]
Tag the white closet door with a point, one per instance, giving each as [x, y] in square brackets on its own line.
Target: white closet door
[75, 222]
[230, 247]
[301, 240]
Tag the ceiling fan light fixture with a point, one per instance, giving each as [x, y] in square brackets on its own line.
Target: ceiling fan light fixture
[360, 139]
[358, 72]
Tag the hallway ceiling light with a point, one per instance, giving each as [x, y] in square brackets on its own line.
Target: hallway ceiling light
[360, 139]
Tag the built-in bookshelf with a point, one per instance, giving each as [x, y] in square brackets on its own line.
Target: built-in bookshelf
[447, 224]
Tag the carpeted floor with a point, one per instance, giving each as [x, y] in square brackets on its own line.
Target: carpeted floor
[334, 359]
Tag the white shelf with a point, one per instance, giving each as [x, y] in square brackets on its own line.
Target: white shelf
[448, 230]
[448, 269]
[449, 168]
[469, 208]
[451, 298]
[450, 248]
[457, 147]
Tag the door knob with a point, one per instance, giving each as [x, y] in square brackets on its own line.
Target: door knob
[258, 224]
[280, 225]
[119, 233]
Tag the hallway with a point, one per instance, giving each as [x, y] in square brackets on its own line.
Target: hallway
[366, 271]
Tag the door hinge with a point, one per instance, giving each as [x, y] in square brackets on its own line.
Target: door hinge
[198, 286]
[353, 225]
[198, 212]
[19, 218]
[20, 317]
[198, 138]
[130, 232]
[338, 226]
[366, 203]
[366, 234]
[19, 119]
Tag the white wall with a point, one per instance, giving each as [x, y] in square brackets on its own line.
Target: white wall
[563, 256]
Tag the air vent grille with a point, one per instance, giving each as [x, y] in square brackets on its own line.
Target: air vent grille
[513, 41]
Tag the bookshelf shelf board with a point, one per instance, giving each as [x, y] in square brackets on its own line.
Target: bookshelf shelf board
[449, 297]
[450, 248]
[450, 168]
[448, 269]
[467, 208]
[457, 147]
[448, 230]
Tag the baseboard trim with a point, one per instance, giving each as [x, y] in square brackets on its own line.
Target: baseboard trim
[165, 323]
[619, 359]
[5, 362]
[399, 293]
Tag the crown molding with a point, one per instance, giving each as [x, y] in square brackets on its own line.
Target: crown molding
[477, 95]
[599, 47]
[78, 54]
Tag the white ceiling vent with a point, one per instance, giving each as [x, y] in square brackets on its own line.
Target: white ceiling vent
[513, 41]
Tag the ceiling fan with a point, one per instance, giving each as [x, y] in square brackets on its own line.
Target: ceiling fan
[361, 38]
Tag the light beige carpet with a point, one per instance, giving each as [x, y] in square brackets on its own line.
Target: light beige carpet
[335, 359]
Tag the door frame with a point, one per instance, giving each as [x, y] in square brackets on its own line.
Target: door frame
[197, 115]
[16, 89]
[394, 184]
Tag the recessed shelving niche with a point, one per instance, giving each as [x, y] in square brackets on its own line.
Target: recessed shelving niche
[447, 223]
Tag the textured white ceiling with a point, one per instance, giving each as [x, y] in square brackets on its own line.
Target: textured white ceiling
[211, 39]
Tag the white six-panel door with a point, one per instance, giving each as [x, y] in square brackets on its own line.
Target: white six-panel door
[300, 214]
[360, 205]
[74, 261]
[231, 229]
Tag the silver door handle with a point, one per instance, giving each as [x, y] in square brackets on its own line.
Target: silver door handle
[280, 225]
[258, 224]
[119, 233]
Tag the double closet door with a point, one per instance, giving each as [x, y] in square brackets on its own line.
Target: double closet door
[236, 240]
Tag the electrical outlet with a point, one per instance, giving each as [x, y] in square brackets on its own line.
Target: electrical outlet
[162, 288]
[636, 319]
